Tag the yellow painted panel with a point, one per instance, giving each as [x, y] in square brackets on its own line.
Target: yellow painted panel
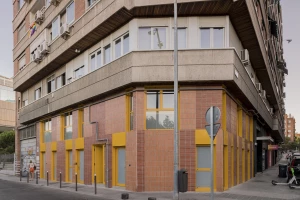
[69, 144]
[225, 153]
[243, 166]
[79, 143]
[251, 129]
[119, 139]
[202, 138]
[225, 135]
[53, 146]
[42, 147]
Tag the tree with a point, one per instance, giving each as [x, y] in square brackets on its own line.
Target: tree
[7, 142]
[167, 123]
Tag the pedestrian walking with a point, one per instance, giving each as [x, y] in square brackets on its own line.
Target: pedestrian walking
[31, 169]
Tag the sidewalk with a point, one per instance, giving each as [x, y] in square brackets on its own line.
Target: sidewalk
[257, 188]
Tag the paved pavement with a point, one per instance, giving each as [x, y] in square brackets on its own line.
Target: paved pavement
[257, 188]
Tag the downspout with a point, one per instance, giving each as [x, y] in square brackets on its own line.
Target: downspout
[101, 140]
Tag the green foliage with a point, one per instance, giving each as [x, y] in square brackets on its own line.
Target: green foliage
[289, 145]
[7, 142]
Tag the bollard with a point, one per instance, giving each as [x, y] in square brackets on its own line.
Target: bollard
[124, 196]
[27, 177]
[59, 179]
[95, 181]
[37, 177]
[75, 181]
[20, 175]
[47, 178]
[151, 198]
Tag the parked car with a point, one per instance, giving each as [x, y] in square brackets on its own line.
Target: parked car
[295, 163]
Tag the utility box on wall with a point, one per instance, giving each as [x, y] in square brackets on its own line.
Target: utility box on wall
[182, 180]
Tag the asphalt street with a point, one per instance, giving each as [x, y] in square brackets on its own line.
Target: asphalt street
[19, 191]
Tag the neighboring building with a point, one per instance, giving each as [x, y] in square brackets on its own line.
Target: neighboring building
[7, 104]
[95, 88]
[297, 135]
[289, 126]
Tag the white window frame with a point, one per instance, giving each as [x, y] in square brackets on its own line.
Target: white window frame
[67, 8]
[50, 79]
[211, 34]
[95, 53]
[79, 68]
[58, 34]
[40, 94]
[110, 54]
[21, 6]
[152, 37]
[122, 45]
[186, 37]
[61, 79]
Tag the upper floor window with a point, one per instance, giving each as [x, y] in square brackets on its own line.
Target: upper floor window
[152, 38]
[22, 62]
[60, 81]
[37, 93]
[68, 126]
[181, 38]
[51, 84]
[130, 111]
[212, 37]
[90, 2]
[25, 102]
[47, 3]
[79, 72]
[96, 60]
[28, 132]
[121, 46]
[55, 28]
[21, 3]
[21, 31]
[107, 57]
[160, 109]
[47, 131]
[70, 13]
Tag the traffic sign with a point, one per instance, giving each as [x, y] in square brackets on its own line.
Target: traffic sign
[216, 128]
[216, 115]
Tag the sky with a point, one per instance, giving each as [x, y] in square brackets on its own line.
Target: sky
[291, 30]
[6, 39]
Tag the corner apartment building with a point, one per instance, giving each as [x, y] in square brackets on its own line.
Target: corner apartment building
[95, 87]
[7, 104]
[290, 127]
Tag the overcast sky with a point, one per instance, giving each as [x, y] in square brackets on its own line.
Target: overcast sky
[291, 30]
[6, 38]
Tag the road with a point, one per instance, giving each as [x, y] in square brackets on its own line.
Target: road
[19, 191]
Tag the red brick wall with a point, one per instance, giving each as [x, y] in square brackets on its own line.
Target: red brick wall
[79, 8]
[158, 170]
[188, 110]
[187, 155]
[15, 37]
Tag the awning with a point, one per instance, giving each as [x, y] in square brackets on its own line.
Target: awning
[265, 138]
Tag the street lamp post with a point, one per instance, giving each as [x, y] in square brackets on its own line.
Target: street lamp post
[175, 192]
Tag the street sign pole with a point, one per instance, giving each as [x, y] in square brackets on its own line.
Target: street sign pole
[212, 151]
[175, 191]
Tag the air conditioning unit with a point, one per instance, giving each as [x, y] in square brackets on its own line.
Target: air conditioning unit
[44, 48]
[283, 95]
[259, 87]
[271, 111]
[64, 30]
[55, 2]
[245, 57]
[37, 56]
[39, 17]
[263, 94]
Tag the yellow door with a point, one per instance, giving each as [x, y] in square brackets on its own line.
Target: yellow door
[98, 163]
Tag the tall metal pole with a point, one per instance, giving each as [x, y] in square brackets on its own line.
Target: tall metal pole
[175, 192]
[212, 151]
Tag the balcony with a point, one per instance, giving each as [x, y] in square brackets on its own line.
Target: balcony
[219, 66]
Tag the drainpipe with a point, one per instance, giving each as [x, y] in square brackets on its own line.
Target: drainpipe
[101, 140]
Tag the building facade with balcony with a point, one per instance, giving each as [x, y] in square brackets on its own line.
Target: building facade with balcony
[95, 85]
[290, 127]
